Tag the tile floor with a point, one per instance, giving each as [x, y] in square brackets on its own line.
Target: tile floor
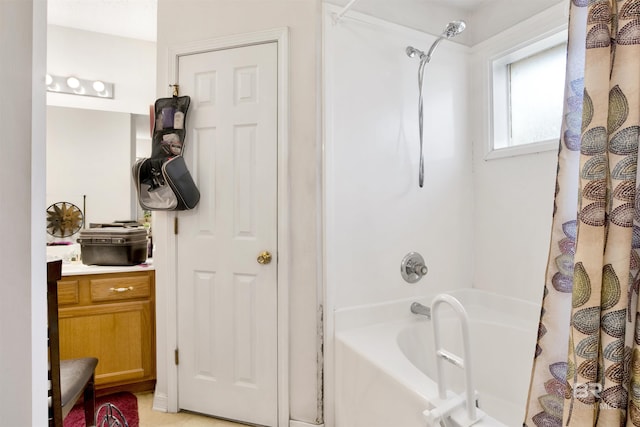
[151, 418]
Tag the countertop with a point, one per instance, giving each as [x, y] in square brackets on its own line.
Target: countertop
[77, 268]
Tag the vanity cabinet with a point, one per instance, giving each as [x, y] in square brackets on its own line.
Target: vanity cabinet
[111, 317]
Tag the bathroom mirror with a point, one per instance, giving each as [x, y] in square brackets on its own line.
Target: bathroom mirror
[89, 158]
[93, 142]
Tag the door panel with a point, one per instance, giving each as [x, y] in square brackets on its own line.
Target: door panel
[227, 301]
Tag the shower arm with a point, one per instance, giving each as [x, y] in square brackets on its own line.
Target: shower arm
[433, 48]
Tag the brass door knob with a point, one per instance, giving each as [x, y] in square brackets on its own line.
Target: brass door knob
[264, 257]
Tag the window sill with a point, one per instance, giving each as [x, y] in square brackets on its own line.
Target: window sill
[521, 150]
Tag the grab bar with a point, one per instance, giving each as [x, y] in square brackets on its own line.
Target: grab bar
[462, 363]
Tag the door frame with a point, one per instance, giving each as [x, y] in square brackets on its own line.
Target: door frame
[169, 339]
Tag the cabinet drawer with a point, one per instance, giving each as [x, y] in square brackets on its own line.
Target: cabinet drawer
[120, 288]
[68, 292]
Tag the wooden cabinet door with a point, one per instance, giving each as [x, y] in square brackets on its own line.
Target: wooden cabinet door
[119, 335]
[110, 317]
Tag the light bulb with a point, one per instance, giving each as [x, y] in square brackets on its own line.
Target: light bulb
[73, 82]
[98, 86]
[48, 79]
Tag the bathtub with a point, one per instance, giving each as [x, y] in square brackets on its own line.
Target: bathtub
[385, 364]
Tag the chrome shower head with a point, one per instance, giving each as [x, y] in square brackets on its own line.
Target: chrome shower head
[412, 52]
[454, 28]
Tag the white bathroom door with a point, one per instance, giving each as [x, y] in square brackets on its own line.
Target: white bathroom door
[227, 300]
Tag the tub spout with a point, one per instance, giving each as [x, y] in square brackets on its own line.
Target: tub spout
[422, 310]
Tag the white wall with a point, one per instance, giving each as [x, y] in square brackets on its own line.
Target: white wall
[90, 153]
[510, 210]
[23, 325]
[513, 196]
[129, 64]
[184, 21]
[375, 211]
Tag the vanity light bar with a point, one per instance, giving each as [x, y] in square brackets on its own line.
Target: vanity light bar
[77, 86]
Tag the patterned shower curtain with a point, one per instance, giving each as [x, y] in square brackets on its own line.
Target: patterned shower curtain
[586, 370]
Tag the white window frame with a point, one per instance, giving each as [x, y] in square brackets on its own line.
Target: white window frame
[500, 107]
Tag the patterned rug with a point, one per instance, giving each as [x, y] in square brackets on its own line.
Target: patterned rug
[126, 402]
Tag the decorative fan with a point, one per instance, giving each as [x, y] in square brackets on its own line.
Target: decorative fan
[64, 219]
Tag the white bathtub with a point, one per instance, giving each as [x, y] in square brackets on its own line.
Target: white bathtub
[385, 363]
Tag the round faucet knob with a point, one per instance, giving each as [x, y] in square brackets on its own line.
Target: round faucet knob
[413, 267]
[420, 269]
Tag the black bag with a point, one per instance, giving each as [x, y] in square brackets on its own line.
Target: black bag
[163, 181]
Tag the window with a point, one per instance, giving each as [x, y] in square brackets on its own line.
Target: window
[536, 90]
[528, 92]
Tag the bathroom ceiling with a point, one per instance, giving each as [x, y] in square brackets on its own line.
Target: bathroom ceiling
[137, 18]
[465, 5]
[410, 6]
[485, 18]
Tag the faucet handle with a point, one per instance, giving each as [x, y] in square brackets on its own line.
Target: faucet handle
[412, 267]
[420, 269]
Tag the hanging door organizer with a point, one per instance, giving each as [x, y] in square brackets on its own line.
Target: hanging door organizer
[163, 182]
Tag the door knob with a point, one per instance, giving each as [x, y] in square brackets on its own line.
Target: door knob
[264, 257]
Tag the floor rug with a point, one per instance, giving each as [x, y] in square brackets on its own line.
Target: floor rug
[126, 402]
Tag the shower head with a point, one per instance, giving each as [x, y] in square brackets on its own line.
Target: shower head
[412, 52]
[454, 28]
